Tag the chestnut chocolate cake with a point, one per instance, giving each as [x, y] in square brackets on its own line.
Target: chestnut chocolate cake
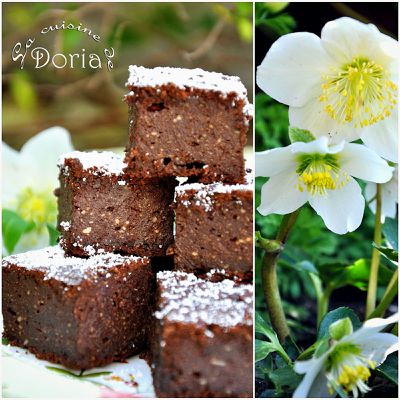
[214, 229]
[103, 210]
[186, 122]
[203, 343]
[82, 313]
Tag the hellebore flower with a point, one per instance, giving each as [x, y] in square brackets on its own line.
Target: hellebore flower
[322, 175]
[29, 178]
[343, 84]
[347, 363]
[389, 197]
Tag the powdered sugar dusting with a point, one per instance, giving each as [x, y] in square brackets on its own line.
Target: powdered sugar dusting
[203, 193]
[192, 78]
[66, 225]
[70, 270]
[186, 298]
[96, 162]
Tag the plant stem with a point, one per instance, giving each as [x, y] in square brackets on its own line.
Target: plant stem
[323, 304]
[270, 281]
[388, 296]
[376, 255]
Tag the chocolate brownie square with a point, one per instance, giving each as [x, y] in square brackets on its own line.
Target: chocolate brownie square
[214, 229]
[102, 210]
[203, 345]
[82, 313]
[186, 122]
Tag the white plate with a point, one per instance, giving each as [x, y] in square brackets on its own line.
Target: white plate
[24, 375]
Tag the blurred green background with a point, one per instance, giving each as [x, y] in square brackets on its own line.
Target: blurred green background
[88, 102]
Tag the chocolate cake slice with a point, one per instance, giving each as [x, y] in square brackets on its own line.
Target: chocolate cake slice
[82, 313]
[103, 210]
[186, 122]
[214, 229]
[203, 345]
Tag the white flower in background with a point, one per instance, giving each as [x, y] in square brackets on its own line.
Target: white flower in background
[343, 84]
[389, 197]
[29, 179]
[347, 364]
[322, 175]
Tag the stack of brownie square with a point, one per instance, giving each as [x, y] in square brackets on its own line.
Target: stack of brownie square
[107, 291]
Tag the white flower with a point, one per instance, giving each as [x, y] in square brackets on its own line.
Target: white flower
[343, 84]
[346, 365]
[389, 197]
[320, 174]
[29, 179]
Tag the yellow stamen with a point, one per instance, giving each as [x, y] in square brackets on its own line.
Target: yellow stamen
[360, 93]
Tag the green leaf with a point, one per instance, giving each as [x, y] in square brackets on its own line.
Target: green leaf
[275, 7]
[285, 379]
[322, 347]
[264, 367]
[53, 234]
[356, 274]
[388, 252]
[13, 227]
[95, 374]
[262, 327]
[300, 135]
[335, 315]
[5, 341]
[389, 368]
[80, 375]
[389, 229]
[306, 266]
[280, 24]
[340, 328]
[63, 371]
[263, 349]
[307, 353]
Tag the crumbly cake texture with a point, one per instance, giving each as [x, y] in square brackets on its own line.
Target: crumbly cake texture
[214, 229]
[203, 338]
[95, 162]
[54, 264]
[189, 299]
[188, 123]
[183, 77]
[82, 313]
[103, 210]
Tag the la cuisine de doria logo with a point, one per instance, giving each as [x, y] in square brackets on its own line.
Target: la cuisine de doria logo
[42, 57]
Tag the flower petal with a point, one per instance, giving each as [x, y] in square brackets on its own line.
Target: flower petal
[280, 195]
[382, 138]
[345, 38]
[313, 117]
[36, 239]
[371, 326]
[42, 153]
[389, 198]
[319, 388]
[291, 70]
[320, 145]
[380, 323]
[14, 175]
[341, 209]
[361, 162]
[275, 161]
[378, 346]
[314, 367]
